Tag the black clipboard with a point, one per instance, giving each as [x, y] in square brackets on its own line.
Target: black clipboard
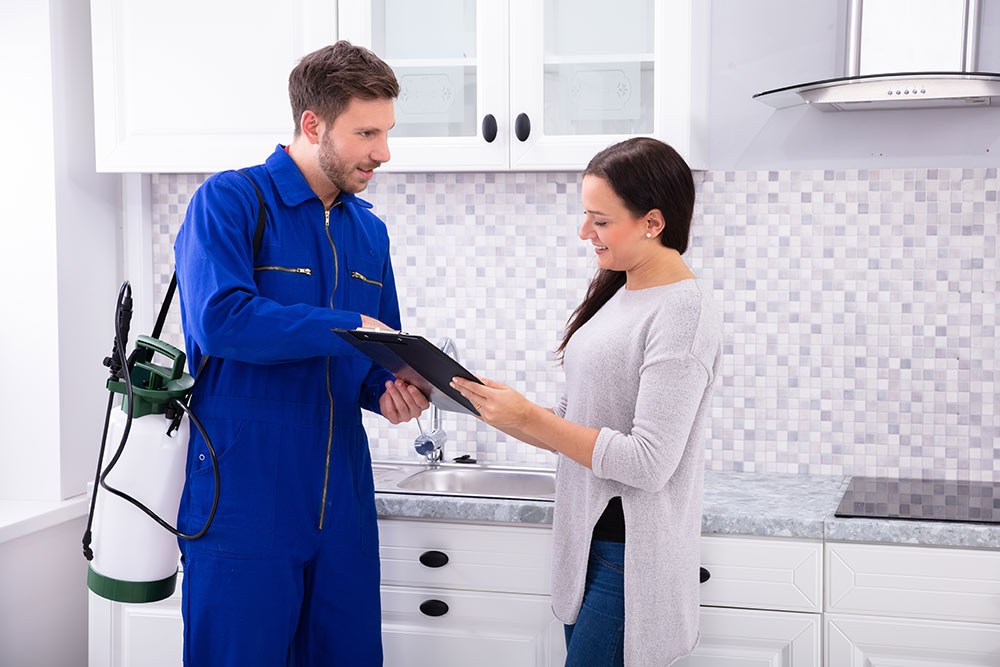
[415, 360]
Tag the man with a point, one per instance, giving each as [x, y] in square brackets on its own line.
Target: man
[288, 572]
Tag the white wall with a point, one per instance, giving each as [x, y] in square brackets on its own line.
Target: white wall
[767, 44]
[59, 267]
[88, 228]
[29, 435]
[43, 598]
[59, 258]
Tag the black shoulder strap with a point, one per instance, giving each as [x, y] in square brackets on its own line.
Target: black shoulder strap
[258, 237]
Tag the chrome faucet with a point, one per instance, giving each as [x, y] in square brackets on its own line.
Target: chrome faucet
[429, 443]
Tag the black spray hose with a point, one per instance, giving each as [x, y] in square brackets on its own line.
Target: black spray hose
[102, 478]
[88, 553]
[123, 311]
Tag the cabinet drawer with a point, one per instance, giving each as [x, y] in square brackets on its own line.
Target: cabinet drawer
[752, 638]
[914, 582]
[762, 573]
[477, 628]
[863, 641]
[486, 558]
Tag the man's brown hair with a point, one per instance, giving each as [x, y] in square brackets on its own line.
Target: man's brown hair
[325, 81]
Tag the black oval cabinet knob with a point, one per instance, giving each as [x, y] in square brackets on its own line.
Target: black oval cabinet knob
[704, 575]
[434, 558]
[522, 127]
[489, 128]
[433, 608]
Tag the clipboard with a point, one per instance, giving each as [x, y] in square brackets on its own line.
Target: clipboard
[417, 361]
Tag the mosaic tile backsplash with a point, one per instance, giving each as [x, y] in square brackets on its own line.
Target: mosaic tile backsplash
[860, 308]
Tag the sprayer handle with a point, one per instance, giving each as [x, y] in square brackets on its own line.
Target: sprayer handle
[167, 350]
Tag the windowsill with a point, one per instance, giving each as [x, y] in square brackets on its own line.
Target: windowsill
[23, 517]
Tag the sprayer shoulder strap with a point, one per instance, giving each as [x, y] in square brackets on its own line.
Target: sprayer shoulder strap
[258, 237]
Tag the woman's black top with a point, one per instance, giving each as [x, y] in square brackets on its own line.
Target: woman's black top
[611, 526]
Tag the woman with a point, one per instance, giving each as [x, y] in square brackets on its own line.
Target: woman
[641, 354]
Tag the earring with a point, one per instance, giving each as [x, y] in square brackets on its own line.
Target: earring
[648, 235]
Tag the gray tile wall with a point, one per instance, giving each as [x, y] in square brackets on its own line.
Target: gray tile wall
[860, 307]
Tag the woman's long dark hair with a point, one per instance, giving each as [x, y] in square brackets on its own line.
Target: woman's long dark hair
[646, 174]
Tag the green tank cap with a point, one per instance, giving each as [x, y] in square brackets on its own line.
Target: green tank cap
[153, 386]
[120, 590]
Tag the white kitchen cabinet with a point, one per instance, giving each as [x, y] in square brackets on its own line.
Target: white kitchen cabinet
[914, 606]
[464, 594]
[762, 573]
[749, 638]
[190, 86]
[477, 628]
[910, 581]
[752, 603]
[494, 569]
[492, 583]
[461, 593]
[870, 641]
[135, 635]
[557, 79]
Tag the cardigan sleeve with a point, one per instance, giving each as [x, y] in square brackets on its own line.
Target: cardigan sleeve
[670, 393]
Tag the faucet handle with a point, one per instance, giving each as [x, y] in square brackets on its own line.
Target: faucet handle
[430, 444]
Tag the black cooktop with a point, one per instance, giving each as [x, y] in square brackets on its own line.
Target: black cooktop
[921, 500]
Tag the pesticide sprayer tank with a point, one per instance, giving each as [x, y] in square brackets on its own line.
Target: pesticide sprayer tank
[135, 559]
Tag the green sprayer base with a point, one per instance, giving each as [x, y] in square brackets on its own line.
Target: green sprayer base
[130, 591]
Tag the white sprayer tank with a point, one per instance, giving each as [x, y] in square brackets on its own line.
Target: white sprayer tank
[135, 558]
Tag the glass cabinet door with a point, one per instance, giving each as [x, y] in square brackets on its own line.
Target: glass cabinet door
[588, 73]
[451, 64]
[598, 67]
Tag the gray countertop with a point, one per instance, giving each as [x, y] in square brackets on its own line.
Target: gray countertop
[755, 504]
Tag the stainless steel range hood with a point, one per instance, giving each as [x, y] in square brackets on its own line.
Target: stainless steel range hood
[868, 48]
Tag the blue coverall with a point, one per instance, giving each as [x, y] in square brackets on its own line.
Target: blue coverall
[288, 573]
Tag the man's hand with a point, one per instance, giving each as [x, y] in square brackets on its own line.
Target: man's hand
[372, 323]
[402, 402]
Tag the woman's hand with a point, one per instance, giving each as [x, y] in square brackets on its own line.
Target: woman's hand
[401, 402]
[498, 405]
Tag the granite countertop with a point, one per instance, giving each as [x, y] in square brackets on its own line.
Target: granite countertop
[753, 504]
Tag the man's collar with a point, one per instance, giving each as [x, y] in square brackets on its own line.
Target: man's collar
[292, 185]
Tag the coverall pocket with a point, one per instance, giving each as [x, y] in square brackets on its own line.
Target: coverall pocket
[245, 516]
[224, 434]
[287, 281]
[364, 293]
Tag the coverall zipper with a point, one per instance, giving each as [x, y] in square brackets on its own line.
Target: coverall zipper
[329, 394]
[303, 271]
[355, 274]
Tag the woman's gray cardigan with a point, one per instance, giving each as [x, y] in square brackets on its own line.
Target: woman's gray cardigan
[641, 370]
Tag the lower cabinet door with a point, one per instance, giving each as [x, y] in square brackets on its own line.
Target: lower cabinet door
[427, 627]
[150, 635]
[135, 635]
[861, 641]
[751, 638]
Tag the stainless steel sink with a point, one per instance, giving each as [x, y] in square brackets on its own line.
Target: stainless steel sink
[482, 481]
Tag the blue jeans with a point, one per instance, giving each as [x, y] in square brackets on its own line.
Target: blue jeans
[597, 638]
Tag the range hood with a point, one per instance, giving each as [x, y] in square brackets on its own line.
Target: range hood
[954, 36]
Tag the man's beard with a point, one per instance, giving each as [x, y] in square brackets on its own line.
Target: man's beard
[342, 175]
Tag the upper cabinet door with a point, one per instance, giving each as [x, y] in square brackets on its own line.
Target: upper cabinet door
[589, 73]
[194, 86]
[450, 57]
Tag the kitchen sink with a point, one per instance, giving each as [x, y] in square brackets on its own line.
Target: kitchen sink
[480, 481]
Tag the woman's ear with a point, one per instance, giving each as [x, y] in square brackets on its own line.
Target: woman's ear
[655, 223]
